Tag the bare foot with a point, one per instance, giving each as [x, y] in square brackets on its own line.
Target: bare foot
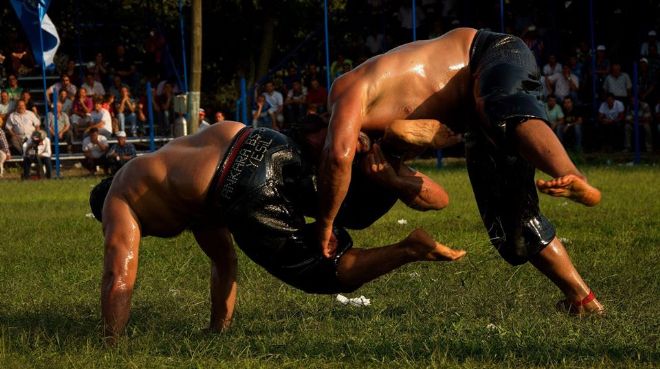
[594, 307]
[425, 248]
[572, 187]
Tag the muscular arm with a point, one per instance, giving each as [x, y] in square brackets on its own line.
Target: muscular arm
[122, 241]
[218, 246]
[335, 167]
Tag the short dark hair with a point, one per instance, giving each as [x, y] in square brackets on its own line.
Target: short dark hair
[93, 130]
[97, 197]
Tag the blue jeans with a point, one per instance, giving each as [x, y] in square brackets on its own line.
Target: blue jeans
[132, 120]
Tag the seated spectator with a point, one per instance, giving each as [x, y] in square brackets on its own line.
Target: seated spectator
[572, 122]
[219, 117]
[602, 64]
[13, 90]
[552, 67]
[37, 150]
[116, 87]
[555, 114]
[64, 131]
[94, 148]
[575, 66]
[202, 120]
[126, 111]
[645, 119]
[29, 103]
[141, 116]
[99, 68]
[646, 82]
[21, 60]
[73, 72]
[651, 40]
[338, 65]
[317, 96]
[81, 111]
[5, 154]
[295, 105]
[345, 68]
[311, 73]
[564, 84]
[617, 83]
[63, 84]
[120, 153]
[260, 115]
[610, 117]
[20, 125]
[7, 106]
[276, 102]
[67, 103]
[94, 88]
[100, 119]
[291, 77]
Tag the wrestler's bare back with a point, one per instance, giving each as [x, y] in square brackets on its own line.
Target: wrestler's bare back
[166, 190]
[421, 80]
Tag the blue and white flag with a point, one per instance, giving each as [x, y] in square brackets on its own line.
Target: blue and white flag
[32, 14]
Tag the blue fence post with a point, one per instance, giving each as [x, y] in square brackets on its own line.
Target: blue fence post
[594, 99]
[183, 47]
[150, 110]
[327, 44]
[237, 116]
[502, 16]
[414, 20]
[244, 100]
[57, 133]
[635, 92]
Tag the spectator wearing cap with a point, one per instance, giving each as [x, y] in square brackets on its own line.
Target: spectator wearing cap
[602, 63]
[94, 148]
[120, 153]
[5, 154]
[202, 120]
[646, 82]
[37, 150]
[651, 40]
[617, 83]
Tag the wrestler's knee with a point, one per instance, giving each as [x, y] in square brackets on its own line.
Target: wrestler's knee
[518, 244]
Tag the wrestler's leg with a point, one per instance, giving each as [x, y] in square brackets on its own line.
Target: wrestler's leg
[539, 145]
[554, 262]
[359, 266]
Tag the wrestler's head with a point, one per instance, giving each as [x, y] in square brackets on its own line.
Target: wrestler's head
[97, 197]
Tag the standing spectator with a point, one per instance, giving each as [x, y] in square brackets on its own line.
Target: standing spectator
[202, 120]
[276, 101]
[646, 82]
[651, 40]
[126, 111]
[219, 117]
[295, 103]
[29, 103]
[564, 84]
[100, 119]
[610, 118]
[555, 114]
[94, 148]
[81, 111]
[63, 84]
[37, 150]
[317, 96]
[572, 121]
[94, 88]
[20, 125]
[13, 90]
[617, 83]
[120, 153]
[552, 67]
[7, 106]
[64, 131]
[260, 115]
[5, 154]
[645, 123]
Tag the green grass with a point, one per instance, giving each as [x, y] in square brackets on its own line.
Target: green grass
[422, 315]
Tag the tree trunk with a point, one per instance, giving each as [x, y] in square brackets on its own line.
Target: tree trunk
[266, 46]
[196, 67]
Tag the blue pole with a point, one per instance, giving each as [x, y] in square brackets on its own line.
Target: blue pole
[183, 47]
[502, 16]
[635, 92]
[414, 20]
[43, 63]
[57, 133]
[594, 98]
[244, 101]
[150, 110]
[238, 111]
[327, 44]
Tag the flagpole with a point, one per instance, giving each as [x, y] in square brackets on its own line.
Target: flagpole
[43, 77]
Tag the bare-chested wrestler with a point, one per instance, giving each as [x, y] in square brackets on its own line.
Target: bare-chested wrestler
[486, 86]
[254, 184]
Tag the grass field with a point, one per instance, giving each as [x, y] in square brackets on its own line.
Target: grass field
[479, 312]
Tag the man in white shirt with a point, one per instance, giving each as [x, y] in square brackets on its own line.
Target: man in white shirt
[276, 101]
[95, 147]
[564, 84]
[37, 150]
[610, 118]
[20, 125]
[100, 119]
[94, 88]
[617, 83]
[552, 67]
